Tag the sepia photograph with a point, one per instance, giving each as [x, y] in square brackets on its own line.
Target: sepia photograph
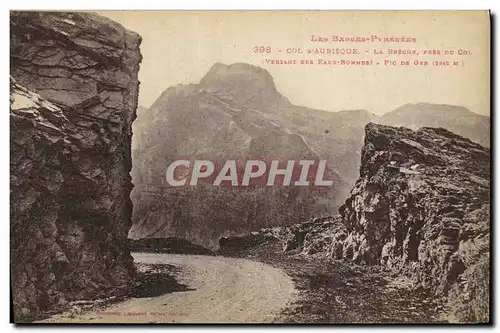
[250, 167]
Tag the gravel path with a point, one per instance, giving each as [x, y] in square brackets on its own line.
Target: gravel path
[220, 290]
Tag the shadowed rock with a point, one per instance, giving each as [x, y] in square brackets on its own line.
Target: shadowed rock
[73, 100]
[421, 207]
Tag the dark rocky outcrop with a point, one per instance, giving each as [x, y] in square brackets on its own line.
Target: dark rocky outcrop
[320, 237]
[73, 100]
[416, 194]
[421, 206]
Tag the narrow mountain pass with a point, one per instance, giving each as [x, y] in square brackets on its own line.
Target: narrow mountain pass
[219, 290]
[332, 291]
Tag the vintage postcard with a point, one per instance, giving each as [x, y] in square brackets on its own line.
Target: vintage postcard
[250, 167]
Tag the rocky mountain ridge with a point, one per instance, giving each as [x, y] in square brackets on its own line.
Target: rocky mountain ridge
[456, 119]
[229, 115]
[236, 112]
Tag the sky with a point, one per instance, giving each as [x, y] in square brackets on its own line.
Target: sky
[181, 46]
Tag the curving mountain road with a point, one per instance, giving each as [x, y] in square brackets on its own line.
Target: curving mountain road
[222, 290]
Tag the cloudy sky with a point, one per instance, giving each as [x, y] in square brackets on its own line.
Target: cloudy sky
[180, 47]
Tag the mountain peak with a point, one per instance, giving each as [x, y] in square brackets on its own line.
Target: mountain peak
[431, 109]
[244, 83]
[222, 71]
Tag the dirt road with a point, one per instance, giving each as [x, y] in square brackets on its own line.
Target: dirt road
[221, 290]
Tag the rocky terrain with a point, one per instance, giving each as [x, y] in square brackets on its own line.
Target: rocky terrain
[237, 112]
[74, 94]
[421, 206]
[419, 212]
[333, 291]
[166, 245]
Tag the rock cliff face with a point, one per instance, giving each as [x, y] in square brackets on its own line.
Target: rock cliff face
[421, 206]
[73, 101]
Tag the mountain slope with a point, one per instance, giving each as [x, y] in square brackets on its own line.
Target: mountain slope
[236, 112]
[230, 115]
[456, 119]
